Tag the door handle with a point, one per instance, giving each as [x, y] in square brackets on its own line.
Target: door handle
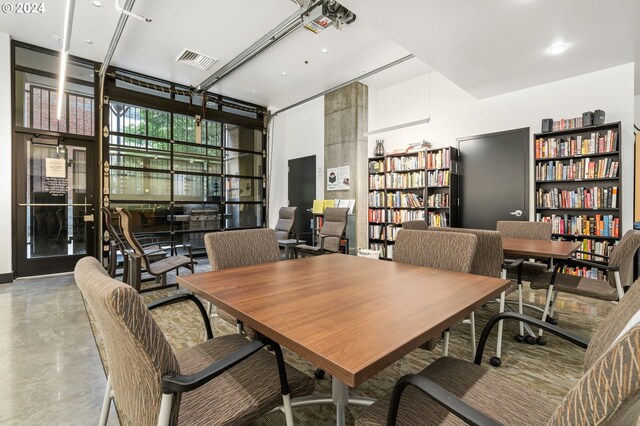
[516, 213]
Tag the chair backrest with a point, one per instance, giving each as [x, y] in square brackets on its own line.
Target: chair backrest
[613, 325]
[489, 257]
[418, 225]
[622, 256]
[286, 219]
[525, 230]
[126, 227]
[137, 351]
[114, 235]
[443, 250]
[609, 391]
[333, 226]
[233, 249]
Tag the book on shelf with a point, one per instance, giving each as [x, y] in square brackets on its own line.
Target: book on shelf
[581, 197]
[584, 168]
[575, 146]
[438, 177]
[439, 219]
[598, 225]
[440, 159]
[318, 207]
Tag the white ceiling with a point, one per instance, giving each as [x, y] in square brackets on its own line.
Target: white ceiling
[486, 47]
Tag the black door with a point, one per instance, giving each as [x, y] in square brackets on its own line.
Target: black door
[494, 178]
[54, 184]
[302, 191]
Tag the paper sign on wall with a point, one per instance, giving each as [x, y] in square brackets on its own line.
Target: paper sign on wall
[55, 168]
[338, 178]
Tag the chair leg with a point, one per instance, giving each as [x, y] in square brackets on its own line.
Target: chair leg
[445, 344]
[288, 412]
[165, 409]
[541, 340]
[106, 403]
[616, 275]
[472, 323]
[496, 361]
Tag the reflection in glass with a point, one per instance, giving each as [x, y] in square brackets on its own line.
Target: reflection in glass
[56, 176]
[139, 185]
[243, 189]
[149, 219]
[242, 138]
[141, 121]
[243, 215]
[196, 188]
[237, 163]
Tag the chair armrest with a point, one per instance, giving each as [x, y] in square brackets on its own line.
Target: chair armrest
[177, 298]
[514, 264]
[596, 264]
[570, 337]
[441, 396]
[592, 254]
[172, 382]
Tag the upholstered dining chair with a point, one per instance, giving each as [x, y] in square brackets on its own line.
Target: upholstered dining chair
[286, 220]
[157, 268]
[619, 267]
[441, 250]
[234, 249]
[332, 232]
[418, 225]
[528, 231]
[223, 381]
[452, 391]
[489, 262]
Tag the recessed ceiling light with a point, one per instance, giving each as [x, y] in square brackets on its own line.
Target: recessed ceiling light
[88, 41]
[557, 48]
[96, 3]
[324, 50]
[253, 90]
[283, 73]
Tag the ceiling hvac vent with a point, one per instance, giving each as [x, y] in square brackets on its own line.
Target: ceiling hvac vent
[196, 59]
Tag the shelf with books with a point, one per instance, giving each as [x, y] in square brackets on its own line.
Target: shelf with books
[578, 187]
[442, 186]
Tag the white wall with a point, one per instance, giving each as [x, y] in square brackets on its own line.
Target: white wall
[455, 113]
[5, 154]
[297, 133]
[637, 111]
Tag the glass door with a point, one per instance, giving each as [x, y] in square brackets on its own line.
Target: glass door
[55, 204]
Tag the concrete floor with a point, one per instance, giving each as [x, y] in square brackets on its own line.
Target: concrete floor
[50, 370]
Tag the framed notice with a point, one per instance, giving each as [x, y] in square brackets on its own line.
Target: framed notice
[338, 178]
[332, 179]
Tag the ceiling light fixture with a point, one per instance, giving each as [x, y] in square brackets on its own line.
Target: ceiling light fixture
[283, 73]
[66, 41]
[558, 48]
[324, 50]
[88, 41]
[96, 3]
[123, 11]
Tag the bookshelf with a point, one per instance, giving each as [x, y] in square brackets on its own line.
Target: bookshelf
[442, 187]
[578, 188]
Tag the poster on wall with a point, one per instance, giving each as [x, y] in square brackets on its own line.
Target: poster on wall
[338, 178]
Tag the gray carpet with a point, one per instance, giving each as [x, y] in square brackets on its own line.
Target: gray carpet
[552, 369]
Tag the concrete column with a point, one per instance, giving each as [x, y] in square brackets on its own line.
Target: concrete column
[345, 120]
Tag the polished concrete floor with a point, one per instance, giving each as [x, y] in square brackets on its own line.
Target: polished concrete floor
[51, 372]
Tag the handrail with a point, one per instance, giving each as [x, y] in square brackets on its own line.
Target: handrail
[54, 205]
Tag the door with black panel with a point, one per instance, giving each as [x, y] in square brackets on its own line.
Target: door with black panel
[55, 203]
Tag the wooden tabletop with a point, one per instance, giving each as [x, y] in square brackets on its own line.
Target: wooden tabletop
[539, 248]
[349, 315]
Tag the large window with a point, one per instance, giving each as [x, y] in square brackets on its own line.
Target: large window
[182, 177]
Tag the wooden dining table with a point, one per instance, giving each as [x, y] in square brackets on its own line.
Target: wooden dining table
[539, 248]
[348, 315]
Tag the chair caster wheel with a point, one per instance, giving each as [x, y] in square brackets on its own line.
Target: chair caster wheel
[519, 338]
[530, 340]
[541, 341]
[319, 373]
[495, 361]
[552, 321]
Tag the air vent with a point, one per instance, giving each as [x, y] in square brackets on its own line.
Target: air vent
[195, 59]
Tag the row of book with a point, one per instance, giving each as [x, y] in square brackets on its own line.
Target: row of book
[567, 123]
[377, 232]
[599, 225]
[438, 178]
[376, 166]
[400, 216]
[377, 215]
[438, 200]
[413, 162]
[439, 159]
[438, 219]
[585, 168]
[598, 247]
[584, 271]
[576, 146]
[405, 180]
[379, 247]
[395, 199]
[376, 182]
[586, 198]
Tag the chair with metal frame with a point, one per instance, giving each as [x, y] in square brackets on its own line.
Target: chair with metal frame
[331, 234]
[452, 391]
[442, 250]
[528, 231]
[619, 266]
[157, 268]
[286, 220]
[226, 380]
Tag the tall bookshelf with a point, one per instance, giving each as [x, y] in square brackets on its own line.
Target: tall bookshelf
[578, 188]
[442, 187]
[398, 191]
